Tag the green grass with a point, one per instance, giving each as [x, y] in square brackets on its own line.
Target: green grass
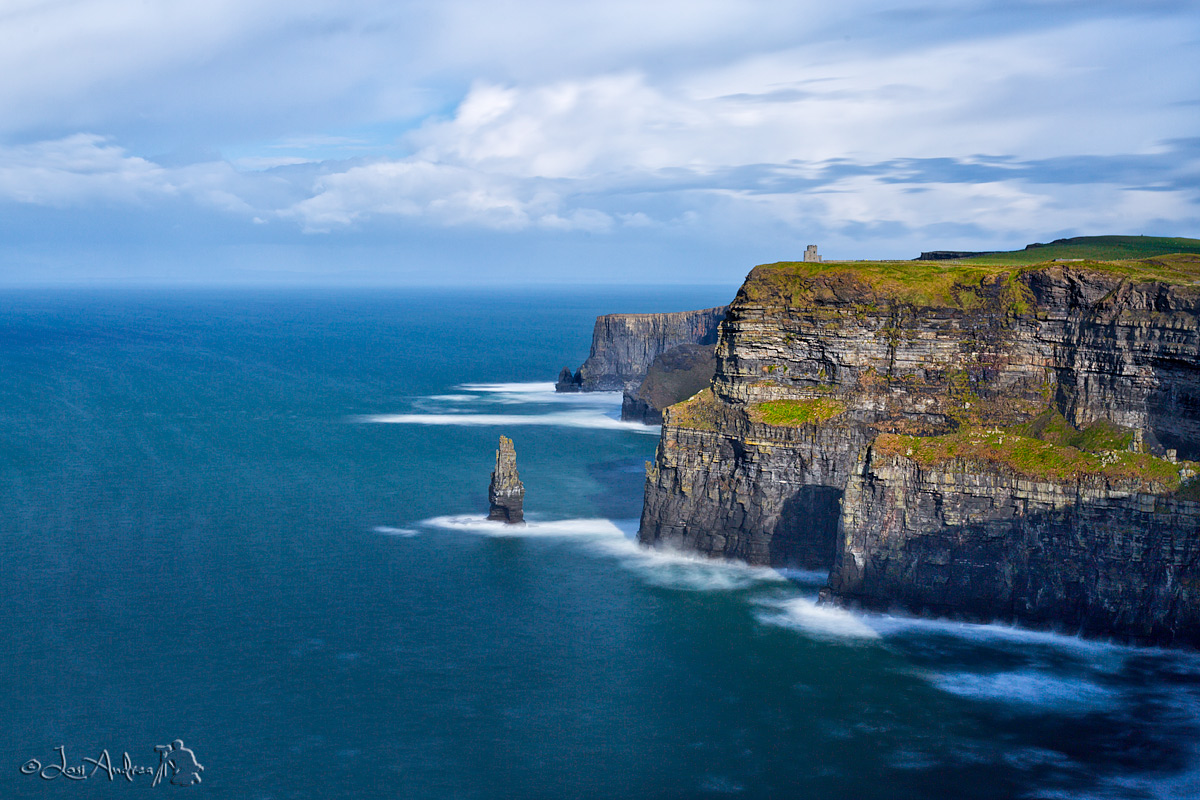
[1033, 457]
[1096, 248]
[1051, 426]
[699, 412]
[796, 412]
[941, 284]
[922, 283]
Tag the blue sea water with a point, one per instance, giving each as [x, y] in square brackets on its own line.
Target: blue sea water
[253, 521]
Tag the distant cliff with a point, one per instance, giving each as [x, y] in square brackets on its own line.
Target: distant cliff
[985, 441]
[625, 345]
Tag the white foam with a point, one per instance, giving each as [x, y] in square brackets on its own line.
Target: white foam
[616, 539]
[478, 523]
[674, 570]
[384, 529]
[592, 410]
[537, 393]
[894, 624]
[515, 393]
[564, 419]
[1029, 688]
[512, 388]
[820, 621]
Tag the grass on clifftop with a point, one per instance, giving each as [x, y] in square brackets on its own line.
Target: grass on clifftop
[796, 412]
[922, 283]
[699, 411]
[1032, 457]
[1096, 248]
[947, 284]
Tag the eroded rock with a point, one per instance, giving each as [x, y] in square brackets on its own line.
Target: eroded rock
[506, 493]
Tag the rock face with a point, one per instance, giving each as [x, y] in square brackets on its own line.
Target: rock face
[1088, 554]
[895, 430]
[625, 345]
[506, 493]
[673, 376]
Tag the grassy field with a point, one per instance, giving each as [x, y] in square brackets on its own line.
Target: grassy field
[1032, 457]
[943, 283]
[793, 413]
[1095, 248]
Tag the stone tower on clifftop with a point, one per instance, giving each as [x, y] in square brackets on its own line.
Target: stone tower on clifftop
[810, 253]
[506, 493]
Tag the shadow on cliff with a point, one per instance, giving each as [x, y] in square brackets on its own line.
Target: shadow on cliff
[1093, 568]
[806, 536]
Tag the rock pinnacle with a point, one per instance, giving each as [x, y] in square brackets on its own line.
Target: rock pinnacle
[506, 493]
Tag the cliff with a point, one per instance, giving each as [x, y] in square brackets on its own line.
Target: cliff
[625, 345]
[986, 441]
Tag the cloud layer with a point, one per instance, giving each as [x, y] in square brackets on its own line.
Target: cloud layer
[870, 128]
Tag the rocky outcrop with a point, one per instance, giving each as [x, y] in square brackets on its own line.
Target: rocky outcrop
[506, 493]
[625, 345]
[673, 376]
[847, 399]
[971, 540]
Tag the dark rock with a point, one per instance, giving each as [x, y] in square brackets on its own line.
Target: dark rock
[674, 375]
[506, 493]
[946, 255]
[625, 345]
[981, 543]
[568, 382]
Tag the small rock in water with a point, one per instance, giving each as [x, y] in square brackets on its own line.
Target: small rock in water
[506, 493]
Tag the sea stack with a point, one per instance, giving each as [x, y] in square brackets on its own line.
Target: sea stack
[506, 493]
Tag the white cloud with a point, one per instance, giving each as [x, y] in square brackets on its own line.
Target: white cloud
[77, 169]
[715, 118]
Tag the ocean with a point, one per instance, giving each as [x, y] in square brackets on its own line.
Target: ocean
[253, 521]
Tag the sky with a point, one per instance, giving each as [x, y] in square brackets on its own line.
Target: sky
[499, 142]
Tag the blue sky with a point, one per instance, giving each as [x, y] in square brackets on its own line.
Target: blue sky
[463, 142]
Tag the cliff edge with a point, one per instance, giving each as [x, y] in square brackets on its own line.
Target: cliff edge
[986, 441]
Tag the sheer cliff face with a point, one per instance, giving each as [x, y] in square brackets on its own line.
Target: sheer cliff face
[818, 365]
[1100, 556]
[625, 345]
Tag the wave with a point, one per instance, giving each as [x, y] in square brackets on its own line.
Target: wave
[478, 523]
[804, 614]
[513, 388]
[537, 393]
[384, 529]
[895, 625]
[818, 621]
[674, 570]
[561, 419]
[1027, 688]
[617, 539]
[590, 410]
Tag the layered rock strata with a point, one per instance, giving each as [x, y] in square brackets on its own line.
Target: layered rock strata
[848, 427]
[506, 493]
[1088, 553]
[625, 345]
